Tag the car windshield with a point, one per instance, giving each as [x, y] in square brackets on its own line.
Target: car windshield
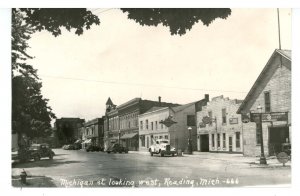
[33, 147]
[165, 142]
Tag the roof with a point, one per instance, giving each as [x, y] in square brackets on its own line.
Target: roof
[128, 135]
[154, 108]
[284, 53]
[129, 102]
[182, 107]
[109, 102]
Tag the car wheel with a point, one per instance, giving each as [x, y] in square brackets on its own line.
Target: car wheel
[108, 152]
[37, 158]
[151, 153]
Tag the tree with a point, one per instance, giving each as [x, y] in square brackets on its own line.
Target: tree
[178, 20]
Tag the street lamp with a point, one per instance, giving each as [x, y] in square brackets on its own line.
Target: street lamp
[119, 135]
[262, 159]
[190, 147]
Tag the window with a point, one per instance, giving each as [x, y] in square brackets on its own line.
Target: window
[191, 121]
[166, 137]
[218, 139]
[143, 140]
[213, 140]
[210, 116]
[156, 125]
[160, 137]
[224, 140]
[267, 102]
[237, 139]
[224, 120]
[129, 124]
[141, 125]
[258, 132]
[151, 125]
[146, 124]
[161, 126]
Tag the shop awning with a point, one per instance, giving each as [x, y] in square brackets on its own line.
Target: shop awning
[78, 142]
[87, 141]
[128, 135]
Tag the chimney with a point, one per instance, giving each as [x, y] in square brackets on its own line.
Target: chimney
[159, 100]
[207, 97]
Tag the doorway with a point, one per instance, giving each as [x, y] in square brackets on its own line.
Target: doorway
[278, 136]
[204, 143]
[230, 144]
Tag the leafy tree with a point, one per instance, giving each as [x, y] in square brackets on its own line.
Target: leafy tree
[178, 20]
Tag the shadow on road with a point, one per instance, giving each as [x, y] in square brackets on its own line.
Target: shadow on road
[43, 163]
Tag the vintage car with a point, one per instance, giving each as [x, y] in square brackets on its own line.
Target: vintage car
[162, 147]
[92, 148]
[117, 148]
[38, 151]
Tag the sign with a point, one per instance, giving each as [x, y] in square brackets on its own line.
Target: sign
[245, 118]
[233, 120]
[168, 122]
[269, 117]
[206, 120]
[202, 125]
[283, 158]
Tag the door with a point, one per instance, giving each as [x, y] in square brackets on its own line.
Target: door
[230, 144]
[147, 142]
[204, 143]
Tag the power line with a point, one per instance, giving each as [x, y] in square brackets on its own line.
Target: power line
[102, 11]
[139, 84]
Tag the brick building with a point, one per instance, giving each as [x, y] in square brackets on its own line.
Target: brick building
[150, 128]
[271, 92]
[223, 133]
[122, 121]
[93, 133]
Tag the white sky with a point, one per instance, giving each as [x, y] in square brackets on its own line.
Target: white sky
[226, 56]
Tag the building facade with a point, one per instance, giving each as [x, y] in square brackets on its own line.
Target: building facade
[93, 133]
[222, 131]
[151, 127]
[68, 129]
[271, 93]
[121, 122]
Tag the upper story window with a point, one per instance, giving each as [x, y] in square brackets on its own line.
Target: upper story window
[141, 125]
[147, 124]
[156, 125]
[224, 119]
[267, 102]
[210, 116]
[151, 125]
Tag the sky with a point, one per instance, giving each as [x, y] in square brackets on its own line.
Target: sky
[122, 60]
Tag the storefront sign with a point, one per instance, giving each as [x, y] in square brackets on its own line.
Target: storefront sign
[233, 121]
[269, 117]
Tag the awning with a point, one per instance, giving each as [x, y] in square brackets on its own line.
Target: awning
[87, 141]
[128, 135]
[77, 142]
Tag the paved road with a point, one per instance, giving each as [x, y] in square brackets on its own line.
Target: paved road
[98, 169]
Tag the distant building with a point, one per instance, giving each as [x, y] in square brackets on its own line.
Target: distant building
[224, 131]
[121, 121]
[271, 92]
[68, 129]
[93, 133]
[151, 126]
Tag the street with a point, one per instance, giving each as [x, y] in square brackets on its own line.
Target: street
[71, 168]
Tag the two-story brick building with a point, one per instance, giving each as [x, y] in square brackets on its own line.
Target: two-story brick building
[271, 92]
[223, 130]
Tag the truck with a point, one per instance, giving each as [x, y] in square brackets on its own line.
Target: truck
[162, 147]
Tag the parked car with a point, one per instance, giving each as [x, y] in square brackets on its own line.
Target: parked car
[117, 148]
[38, 151]
[92, 148]
[68, 147]
[162, 147]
